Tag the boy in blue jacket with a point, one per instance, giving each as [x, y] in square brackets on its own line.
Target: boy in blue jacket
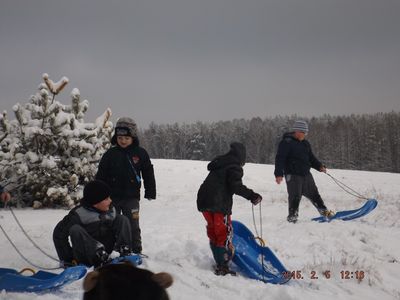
[294, 160]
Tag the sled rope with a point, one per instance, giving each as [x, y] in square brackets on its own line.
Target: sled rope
[346, 188]
[20, 254]
[259, 236]
[29, 238]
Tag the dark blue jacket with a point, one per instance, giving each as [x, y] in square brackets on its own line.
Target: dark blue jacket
[295, 157]
[123, 169]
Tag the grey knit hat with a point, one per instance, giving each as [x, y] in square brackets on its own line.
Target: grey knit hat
[300, 125]
[126, 126]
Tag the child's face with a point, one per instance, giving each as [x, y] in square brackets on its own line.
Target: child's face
[103, 205]
[124, 141]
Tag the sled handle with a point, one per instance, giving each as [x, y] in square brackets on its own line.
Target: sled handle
[27, 269]
[260, 240]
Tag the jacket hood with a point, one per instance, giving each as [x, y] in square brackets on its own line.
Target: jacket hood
[239, 151]
[235, 156]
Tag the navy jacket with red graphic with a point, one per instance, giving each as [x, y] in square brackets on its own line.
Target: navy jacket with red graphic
[124, 168]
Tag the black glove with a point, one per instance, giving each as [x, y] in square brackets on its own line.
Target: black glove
[149, 196]
[255, 199]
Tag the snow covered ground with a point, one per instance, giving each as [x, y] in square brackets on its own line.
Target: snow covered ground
[174, 237]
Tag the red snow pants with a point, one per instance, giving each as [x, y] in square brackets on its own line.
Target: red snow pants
[219, 229]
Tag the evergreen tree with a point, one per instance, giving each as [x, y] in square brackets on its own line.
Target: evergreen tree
[48, 152]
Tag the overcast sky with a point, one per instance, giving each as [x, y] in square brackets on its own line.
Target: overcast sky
[186, 60]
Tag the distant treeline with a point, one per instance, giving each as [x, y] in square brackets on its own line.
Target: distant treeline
[360, 142]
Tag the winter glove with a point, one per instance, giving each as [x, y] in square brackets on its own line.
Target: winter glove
[149, 195]
[255, 199]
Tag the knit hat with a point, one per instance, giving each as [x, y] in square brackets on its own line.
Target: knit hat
[126, 127]
[300, 125]
[95, 192]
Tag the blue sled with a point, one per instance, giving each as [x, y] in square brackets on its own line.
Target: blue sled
[134, 259]
[347, 215]
[12, 281]
[249, 257]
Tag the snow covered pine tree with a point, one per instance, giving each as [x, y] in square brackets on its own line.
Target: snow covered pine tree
[48, 152]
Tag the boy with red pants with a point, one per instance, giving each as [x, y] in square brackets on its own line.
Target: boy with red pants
[214, 200]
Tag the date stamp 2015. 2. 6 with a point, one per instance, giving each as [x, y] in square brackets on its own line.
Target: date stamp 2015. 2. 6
[327, 274]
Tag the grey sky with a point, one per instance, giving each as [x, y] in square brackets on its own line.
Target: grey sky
[207, 60]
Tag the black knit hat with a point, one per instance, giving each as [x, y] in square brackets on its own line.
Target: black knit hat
[95, 192]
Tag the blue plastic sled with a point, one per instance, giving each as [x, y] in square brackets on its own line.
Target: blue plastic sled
[135, 259]
[248, 257]
[347, 215]
[12, 281]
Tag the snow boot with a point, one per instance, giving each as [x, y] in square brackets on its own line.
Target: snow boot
[137, 249]
[124, 251]
[292, 218]
[101, 258]
[222, 256]
[293, 214]
[326, 213]
[223, 269]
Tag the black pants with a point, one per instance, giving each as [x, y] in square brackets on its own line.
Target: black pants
[84, 246]
[298, 186]
[130, 209]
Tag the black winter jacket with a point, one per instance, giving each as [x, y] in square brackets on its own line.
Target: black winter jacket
[295, 157]
[224, 180]
[98, 224]
[123, 168]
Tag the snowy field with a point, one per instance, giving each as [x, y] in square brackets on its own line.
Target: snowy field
[174, 237]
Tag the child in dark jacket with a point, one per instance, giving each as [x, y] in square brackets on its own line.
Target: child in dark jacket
[94, 228]
[294, 159]
[214, 200]
[122, 167]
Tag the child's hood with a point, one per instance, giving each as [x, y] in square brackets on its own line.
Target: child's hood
[235, 156]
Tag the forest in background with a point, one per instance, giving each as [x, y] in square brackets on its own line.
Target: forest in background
[368, 142]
